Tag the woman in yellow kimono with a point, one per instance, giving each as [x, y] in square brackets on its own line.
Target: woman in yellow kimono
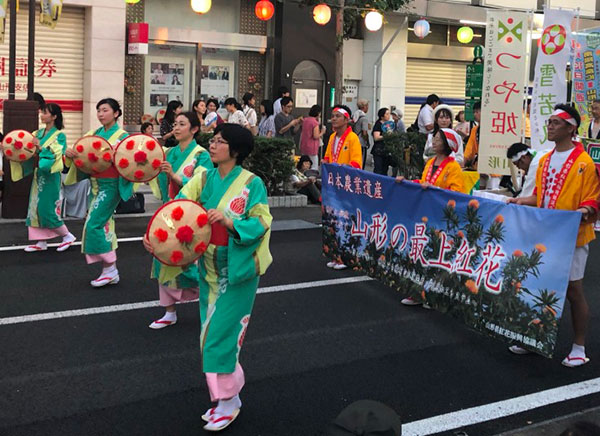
[181, 163]
[237, 255]
[44, 213]
[99, 240]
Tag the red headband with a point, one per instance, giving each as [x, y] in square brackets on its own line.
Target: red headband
[343, 111]
[563, 115]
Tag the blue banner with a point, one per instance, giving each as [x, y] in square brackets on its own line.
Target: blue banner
[500, 268]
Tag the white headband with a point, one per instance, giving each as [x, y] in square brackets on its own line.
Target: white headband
[565, 116]
[519, 155]
[342, 111]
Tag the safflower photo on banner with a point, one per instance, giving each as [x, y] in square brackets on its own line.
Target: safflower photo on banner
[502, 269]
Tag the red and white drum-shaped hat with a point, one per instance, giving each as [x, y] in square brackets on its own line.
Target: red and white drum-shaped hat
[94, 154]
[138, 158]
[18, 146]
[179, 232]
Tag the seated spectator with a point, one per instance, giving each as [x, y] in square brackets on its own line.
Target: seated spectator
[147, 128]
[300, 183]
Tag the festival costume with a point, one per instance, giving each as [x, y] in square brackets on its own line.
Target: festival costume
[177, 284]
[99, 240]
[44, 213]
[472, 147]
[447, 176]
[348, 150]
[229, 271]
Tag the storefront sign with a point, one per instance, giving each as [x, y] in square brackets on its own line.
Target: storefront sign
[501, 269]
[586, 74]
[473, 88]
[550, 84]
[137, 38]
[503, 89]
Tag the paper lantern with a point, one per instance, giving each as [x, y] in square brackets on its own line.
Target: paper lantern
[374, 21]
[322, 14]
[421, 29]
[132, 2]
[264, 10]
[464, 35]
[201, 6]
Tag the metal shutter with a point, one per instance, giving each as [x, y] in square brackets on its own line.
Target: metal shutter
[424, 77]
[58, 64]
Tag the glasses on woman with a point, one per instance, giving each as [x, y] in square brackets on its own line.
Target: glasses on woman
[217, 141]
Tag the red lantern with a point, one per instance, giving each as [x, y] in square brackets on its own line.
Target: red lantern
[322, 14]
[264, 10]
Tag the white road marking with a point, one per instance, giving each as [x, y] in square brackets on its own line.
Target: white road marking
[146, 304]
[56, 244]
[500, 409]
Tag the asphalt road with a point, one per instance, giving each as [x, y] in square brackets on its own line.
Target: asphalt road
[308, 352]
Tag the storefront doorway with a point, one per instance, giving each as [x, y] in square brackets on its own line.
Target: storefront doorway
[308, 87]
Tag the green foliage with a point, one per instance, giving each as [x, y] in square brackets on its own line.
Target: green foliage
[406, 150]
[271, 160]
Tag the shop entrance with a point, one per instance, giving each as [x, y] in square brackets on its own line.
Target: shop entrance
[308, 87]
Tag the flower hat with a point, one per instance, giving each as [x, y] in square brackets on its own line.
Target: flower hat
[18, 146]
[179, 232]
[138, 158]
[94, 154]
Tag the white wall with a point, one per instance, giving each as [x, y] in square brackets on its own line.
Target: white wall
[224, 16]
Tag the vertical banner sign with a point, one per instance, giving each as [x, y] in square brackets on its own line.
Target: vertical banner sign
[550, 83]
[50, 11]
[137, 38]
[474, 82]
[3, 16]
[586, 64]
[503, 89]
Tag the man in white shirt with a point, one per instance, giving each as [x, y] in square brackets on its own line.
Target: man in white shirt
[425, 119]
[527, 160]
[283, 91]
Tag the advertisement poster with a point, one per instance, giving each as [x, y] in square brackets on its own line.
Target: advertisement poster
[217, 80]
[470, 258]
[305, 98]
[586, 67]
[167, 82]
[503, 90]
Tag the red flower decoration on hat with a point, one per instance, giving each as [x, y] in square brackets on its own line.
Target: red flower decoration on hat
[30, 145]
[8, 152]
[176, 256]
[161, 234]
[22, 156]
[8, 140]
[21, 135]
[200, 248]
[202, 220]
[185, 234]
[79, 148]
[139, 174]
[78, 163]
[97, 145]
[92, 157]
[150, 145]
[140, 156]
[130, 144]
[156, 163]
[107, 157]
[123, 163]
[18, 145]
[177, 213]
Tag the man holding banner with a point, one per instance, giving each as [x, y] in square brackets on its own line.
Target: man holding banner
[567, 179]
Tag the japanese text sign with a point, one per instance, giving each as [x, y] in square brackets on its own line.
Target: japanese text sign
[586, 80]
[550, 83]
[469, 257]
[503, 89]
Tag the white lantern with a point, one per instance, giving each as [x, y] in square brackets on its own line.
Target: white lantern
[374, 21]
[421, 29]
[201, 6]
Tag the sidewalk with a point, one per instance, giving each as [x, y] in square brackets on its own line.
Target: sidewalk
[555, 427]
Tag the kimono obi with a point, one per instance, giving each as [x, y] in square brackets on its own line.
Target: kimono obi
[109, 173]
[173, 189]
[219, 235]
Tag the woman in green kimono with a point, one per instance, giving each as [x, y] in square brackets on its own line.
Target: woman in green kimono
[237, 255]
[44, 214]
[181, 163]
[99, 240]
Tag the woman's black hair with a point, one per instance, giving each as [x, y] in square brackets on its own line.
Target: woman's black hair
[457, 118]
[447, 149]
[55, 110]
[314, 111]
[268, 105]
[212, 100]
[196, 102]
[247, 97]
[234, 102]
[241, 141]
[171, 108]
[40, 100]
[303, 158]
[192, 118]
[145, 126]
[381, 113]
[114, 105]
[443, 112]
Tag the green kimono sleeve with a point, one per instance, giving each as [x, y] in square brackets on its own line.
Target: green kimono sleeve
[193, 188]
[51, 157]
[249, 245]
[18, 170]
